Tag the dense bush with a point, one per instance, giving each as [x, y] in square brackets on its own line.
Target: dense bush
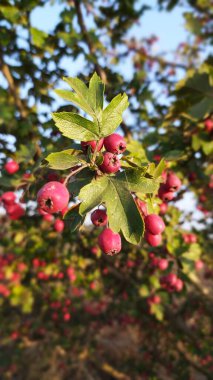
[124, 292]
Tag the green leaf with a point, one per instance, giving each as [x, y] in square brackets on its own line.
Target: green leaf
[82, 96]
[73, 217]
[82, 179]
[62, 160]
[38, 37]
[75, 126]
[121, 209]
[136, 181]
[159, 169]
[96, 90]
[112, 114]
[73, 98]
[175, 155]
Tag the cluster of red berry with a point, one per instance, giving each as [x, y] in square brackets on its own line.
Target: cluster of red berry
[9, 201]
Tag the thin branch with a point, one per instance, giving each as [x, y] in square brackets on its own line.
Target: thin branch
[74, 173]
[86, 36]
[12, 87]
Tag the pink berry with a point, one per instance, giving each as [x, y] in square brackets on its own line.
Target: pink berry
[179, 285]
[171, 279]
[48, 217]
[153, 240]
[163, 208]
[92, 144]
[141, 206]
[173, 183]
[199, 265]
[154, 224]
[8, 198]
[109, 242]
[111, 163]
[53, 197]
[163, 264]
[208, 125]
[155, 299]
[115, 143]
[164, 194]
[59, 225]
[11, 167]
[99, 218]
[15, 211]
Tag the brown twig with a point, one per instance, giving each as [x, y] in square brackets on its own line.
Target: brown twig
[12, 87]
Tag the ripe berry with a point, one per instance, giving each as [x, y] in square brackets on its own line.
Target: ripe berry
[115, 143]
[8, 198]
[109, 242]
[15, 211]
[153, 240]
[173, 183]
[141, 206]
[48, 217]
[179, 285]
[59, 225]
[153, 300]
[163, 264]
[154, 224]
[164, 194]
[111, 163]
[92, 144]
[99, 218]
[53, 197]
[163, 208]
[208, 125]
[199, 264]
[11, 167]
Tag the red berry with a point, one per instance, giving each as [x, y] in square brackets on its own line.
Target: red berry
[164, 194]
[163, 264]
[109, 242]
[53, 197]
[199, 265]
[15, 211]
[92, 144]
[173, 183]
[8, 198]
[111, 163]
[171, 279]
[141, 206]
[115, 143]
[208, 125]
[163, 208]
[153, 240]
[48, 217]
[59, 225]
[154, 224]
[99, 218]
[155, 299]
[179, 285]
[11, 167]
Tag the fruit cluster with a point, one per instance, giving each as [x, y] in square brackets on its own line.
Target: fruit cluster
[13, 209]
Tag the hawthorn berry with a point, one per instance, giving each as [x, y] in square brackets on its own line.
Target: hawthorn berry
[92, 144]
[154, 224]
[164, 194]
[178, 285]
[11, 167]
[141, 206]
[59, 225]
[163, 208]
[173, 183]
[153, 240]
[109, 242]
[162, 264]
[53, 197]
[199, 264]
[111, 163]
[115, 143]
[8, 197]
[208, 125]
[48, 217]
[15, 211]
[99, 218]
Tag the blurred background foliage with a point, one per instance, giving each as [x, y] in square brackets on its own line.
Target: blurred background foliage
[67, 311]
